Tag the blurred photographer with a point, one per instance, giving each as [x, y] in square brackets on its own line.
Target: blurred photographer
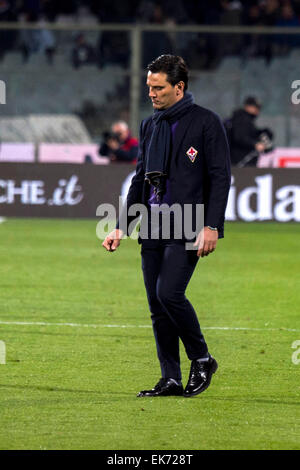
[246, 141]
[118, 144]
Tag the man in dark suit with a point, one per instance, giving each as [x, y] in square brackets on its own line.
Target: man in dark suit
[183, 159]
[245, 137]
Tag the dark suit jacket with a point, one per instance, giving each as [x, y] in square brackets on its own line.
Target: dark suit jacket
[204, 181]
[244, 136]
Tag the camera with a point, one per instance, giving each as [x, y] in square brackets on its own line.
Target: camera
[105, 149]
[110, 135]
[265, 137]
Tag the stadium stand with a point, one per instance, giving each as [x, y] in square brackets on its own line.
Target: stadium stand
[44, 128]
[97, 92]
[225, 88]
[36, 96]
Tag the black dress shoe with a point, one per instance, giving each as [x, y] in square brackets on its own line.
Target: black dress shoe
[164, 388]
[200, 376]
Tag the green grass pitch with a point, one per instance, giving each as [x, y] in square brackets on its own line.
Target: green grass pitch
[74, 386]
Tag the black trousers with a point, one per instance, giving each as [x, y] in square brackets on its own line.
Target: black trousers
[167, 269]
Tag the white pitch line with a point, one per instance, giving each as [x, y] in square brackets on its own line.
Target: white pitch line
[89, 325]
[78, 325]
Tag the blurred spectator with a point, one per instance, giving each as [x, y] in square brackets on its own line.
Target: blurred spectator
[245, 139]
[50, 9]
[8, 12]
[175, 13]
[205, 49]
[36, 40]
[65, 7]
[270, 11]
[174, 10]
[114, 11]
[83, 53]
[287, 18]
[296, 6]
[113, 48]
[31, 6]
[264, 13]
[251, 17]
[202, 51]
[154, 43]
[118, 144]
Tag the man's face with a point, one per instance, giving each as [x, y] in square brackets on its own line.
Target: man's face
[253, 110]
[161, 92]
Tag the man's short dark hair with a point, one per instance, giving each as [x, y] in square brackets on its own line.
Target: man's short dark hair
[173, 65]
[252, 101]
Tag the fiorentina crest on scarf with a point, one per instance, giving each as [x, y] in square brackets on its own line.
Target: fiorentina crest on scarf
[192, 154]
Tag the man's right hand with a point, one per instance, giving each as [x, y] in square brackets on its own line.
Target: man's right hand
[113, 240]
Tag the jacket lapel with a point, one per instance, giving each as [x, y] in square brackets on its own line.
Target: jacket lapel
[180, 132]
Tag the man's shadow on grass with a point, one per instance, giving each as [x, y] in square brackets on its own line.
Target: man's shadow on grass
[112, 396]
[40, 388]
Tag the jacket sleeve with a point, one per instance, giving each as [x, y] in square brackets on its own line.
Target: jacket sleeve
[217, 156]
[135, 191]
[127, 155]
[244, 134]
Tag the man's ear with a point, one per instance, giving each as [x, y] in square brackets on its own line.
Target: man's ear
[179, 87]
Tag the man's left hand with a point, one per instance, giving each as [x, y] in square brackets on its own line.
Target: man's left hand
[113, 144]
[206, 241]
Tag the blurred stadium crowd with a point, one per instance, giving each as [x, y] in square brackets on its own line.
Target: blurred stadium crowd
[221, 74]
[247, 12]
[113, 47]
